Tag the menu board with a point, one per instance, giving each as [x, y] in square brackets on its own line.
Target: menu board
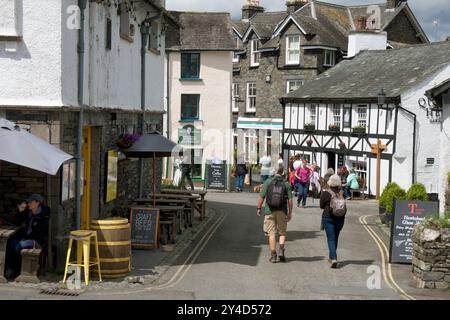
[406, 215]
[144, 227]
[217, 176]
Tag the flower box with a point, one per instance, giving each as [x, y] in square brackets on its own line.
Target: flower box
[126, 140]
[310, 127]
[334, 128]
[359, 130]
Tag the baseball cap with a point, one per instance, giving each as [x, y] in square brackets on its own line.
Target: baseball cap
[35, 197]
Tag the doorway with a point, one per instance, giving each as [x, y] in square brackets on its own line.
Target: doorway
[331, 160]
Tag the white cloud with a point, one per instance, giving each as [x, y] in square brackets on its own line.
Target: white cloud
[425, 11]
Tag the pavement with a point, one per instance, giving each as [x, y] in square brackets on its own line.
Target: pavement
[227, 257]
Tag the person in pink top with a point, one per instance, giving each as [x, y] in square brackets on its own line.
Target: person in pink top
[303, 175]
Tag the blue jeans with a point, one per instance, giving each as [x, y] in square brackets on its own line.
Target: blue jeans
[264, 178]
[303, 189]
[333, 228]
[240, 182]
[347, 192]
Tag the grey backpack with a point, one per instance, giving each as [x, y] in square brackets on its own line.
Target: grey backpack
[338, 204]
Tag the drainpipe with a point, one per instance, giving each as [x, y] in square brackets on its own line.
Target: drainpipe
[145, 31]
[413, 173]
[168, 107]
[80, 49]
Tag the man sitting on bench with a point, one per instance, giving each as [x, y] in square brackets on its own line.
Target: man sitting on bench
[35, 216]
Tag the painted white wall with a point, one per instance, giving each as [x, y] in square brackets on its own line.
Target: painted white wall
[215, 101]
[444, 159]
[427, 141]
[366, 40]
[31, 67]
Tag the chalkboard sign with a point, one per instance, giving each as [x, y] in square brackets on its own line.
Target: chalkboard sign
[217, 176]
[406, 215]
[144, 227]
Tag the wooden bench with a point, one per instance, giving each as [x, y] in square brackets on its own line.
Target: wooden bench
[360, 191]
[200, 206]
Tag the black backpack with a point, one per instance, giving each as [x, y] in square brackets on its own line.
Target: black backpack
[276, 194]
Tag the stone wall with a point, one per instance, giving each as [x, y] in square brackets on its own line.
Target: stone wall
[431, 258]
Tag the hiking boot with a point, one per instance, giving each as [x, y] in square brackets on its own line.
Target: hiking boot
[273, 257]
[334, 264]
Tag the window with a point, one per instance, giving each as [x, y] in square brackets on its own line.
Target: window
[108, 34]
[190, 65]
[236, 56]
[362, 116]
[430, 161]
[68, 180]
[235, 97]
[11, 18]
[336, 115]
[360, 168]
[347, 116]
[293, 85]
[312, 113]
[250, 146]
[198, 161]
[330, 58]
[126, 26]
[293, 50]
[251, 97]
[269, 142]
[190, 106]
[254, 54]
[153, 43]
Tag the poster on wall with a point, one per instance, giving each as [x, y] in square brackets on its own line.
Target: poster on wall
[111, 175]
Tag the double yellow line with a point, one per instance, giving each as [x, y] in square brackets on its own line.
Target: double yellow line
[385, 265]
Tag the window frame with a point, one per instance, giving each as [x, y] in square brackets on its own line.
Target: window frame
[254, 54]
[235, 96]
[331, 63]
[361, 122]
[250, 134]
[190, 106]
[336, 119]
[288, 85]
[189, 66]
[247, 104]
[312, 117]
[125, 20]
[154, 41]
[235, 55]
[289, 49]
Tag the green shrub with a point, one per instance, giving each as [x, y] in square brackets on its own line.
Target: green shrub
[391, 191]
[436, 223]
[417, 192]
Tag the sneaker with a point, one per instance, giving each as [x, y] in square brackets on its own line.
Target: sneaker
[349, 198]
[273, 257]
[282, 257]
[334, 264]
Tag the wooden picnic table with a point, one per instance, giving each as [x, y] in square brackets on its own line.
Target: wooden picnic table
[201, 193]
[5, 233]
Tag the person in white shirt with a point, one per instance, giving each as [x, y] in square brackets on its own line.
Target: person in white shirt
[297, 162]
[266, 163]
[280, 161]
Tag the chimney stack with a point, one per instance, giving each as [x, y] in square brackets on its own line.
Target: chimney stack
[250, 9]
[360, 40]
[294, 5]
[361, 23]
[392, 4]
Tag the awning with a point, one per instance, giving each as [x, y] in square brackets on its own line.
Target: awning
[260, 123]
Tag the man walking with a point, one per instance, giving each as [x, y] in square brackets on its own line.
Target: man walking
[277, 211]
[186, 169]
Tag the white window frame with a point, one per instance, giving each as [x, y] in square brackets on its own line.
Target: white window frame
[254, 54]
[330, 58]
[235, 55]
[13, 27]
[125, 23]
[250, 97]
[336, 118]
[235, 97]
[362, 116]
[312, 114]
[251, 136]
[289, 86]
[295, 50]
[268, 136]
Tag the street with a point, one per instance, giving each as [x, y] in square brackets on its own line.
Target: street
[230, 261]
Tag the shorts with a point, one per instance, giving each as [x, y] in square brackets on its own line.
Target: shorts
[275, 223]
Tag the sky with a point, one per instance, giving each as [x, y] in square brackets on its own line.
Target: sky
[433, 15]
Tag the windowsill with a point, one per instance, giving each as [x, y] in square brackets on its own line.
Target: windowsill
[293, 64]
[127, 37]
[155, 51]
[254, 66]
[188, 120]
[11, 38]
[250, 111]
[191, 79]
[329, 65]
[235, 110]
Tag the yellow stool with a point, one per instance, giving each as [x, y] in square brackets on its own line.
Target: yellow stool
[83, 236]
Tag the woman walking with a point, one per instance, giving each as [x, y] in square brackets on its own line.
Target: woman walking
[303, 176]
[331, 202]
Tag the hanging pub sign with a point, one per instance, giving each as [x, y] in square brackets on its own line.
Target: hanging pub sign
[189, 135]
[406, 215]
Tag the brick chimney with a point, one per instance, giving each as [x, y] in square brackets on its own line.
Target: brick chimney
[294, 5]
[360, 23]
[250, 9]
[392, 4]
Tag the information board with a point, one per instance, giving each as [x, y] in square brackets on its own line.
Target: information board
[406, 215]
[144, 227]
[217, 176]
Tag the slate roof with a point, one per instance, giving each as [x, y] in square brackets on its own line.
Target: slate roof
[201, 31]
[396, 71]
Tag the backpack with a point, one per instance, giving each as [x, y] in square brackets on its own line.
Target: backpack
[276, 194]
[338, 205]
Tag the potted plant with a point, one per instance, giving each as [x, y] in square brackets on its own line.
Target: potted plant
[386, 203]
[310, 127]
[309, 143]
[341, 145]
[126, 140]
[334, 127]
[359, 129]
[417, 192]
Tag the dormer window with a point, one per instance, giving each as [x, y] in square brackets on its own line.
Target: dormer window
[330, 58]
[293, 50]
[11, 19]
[254, 54]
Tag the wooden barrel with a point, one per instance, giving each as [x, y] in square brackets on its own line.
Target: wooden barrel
[114, 244]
